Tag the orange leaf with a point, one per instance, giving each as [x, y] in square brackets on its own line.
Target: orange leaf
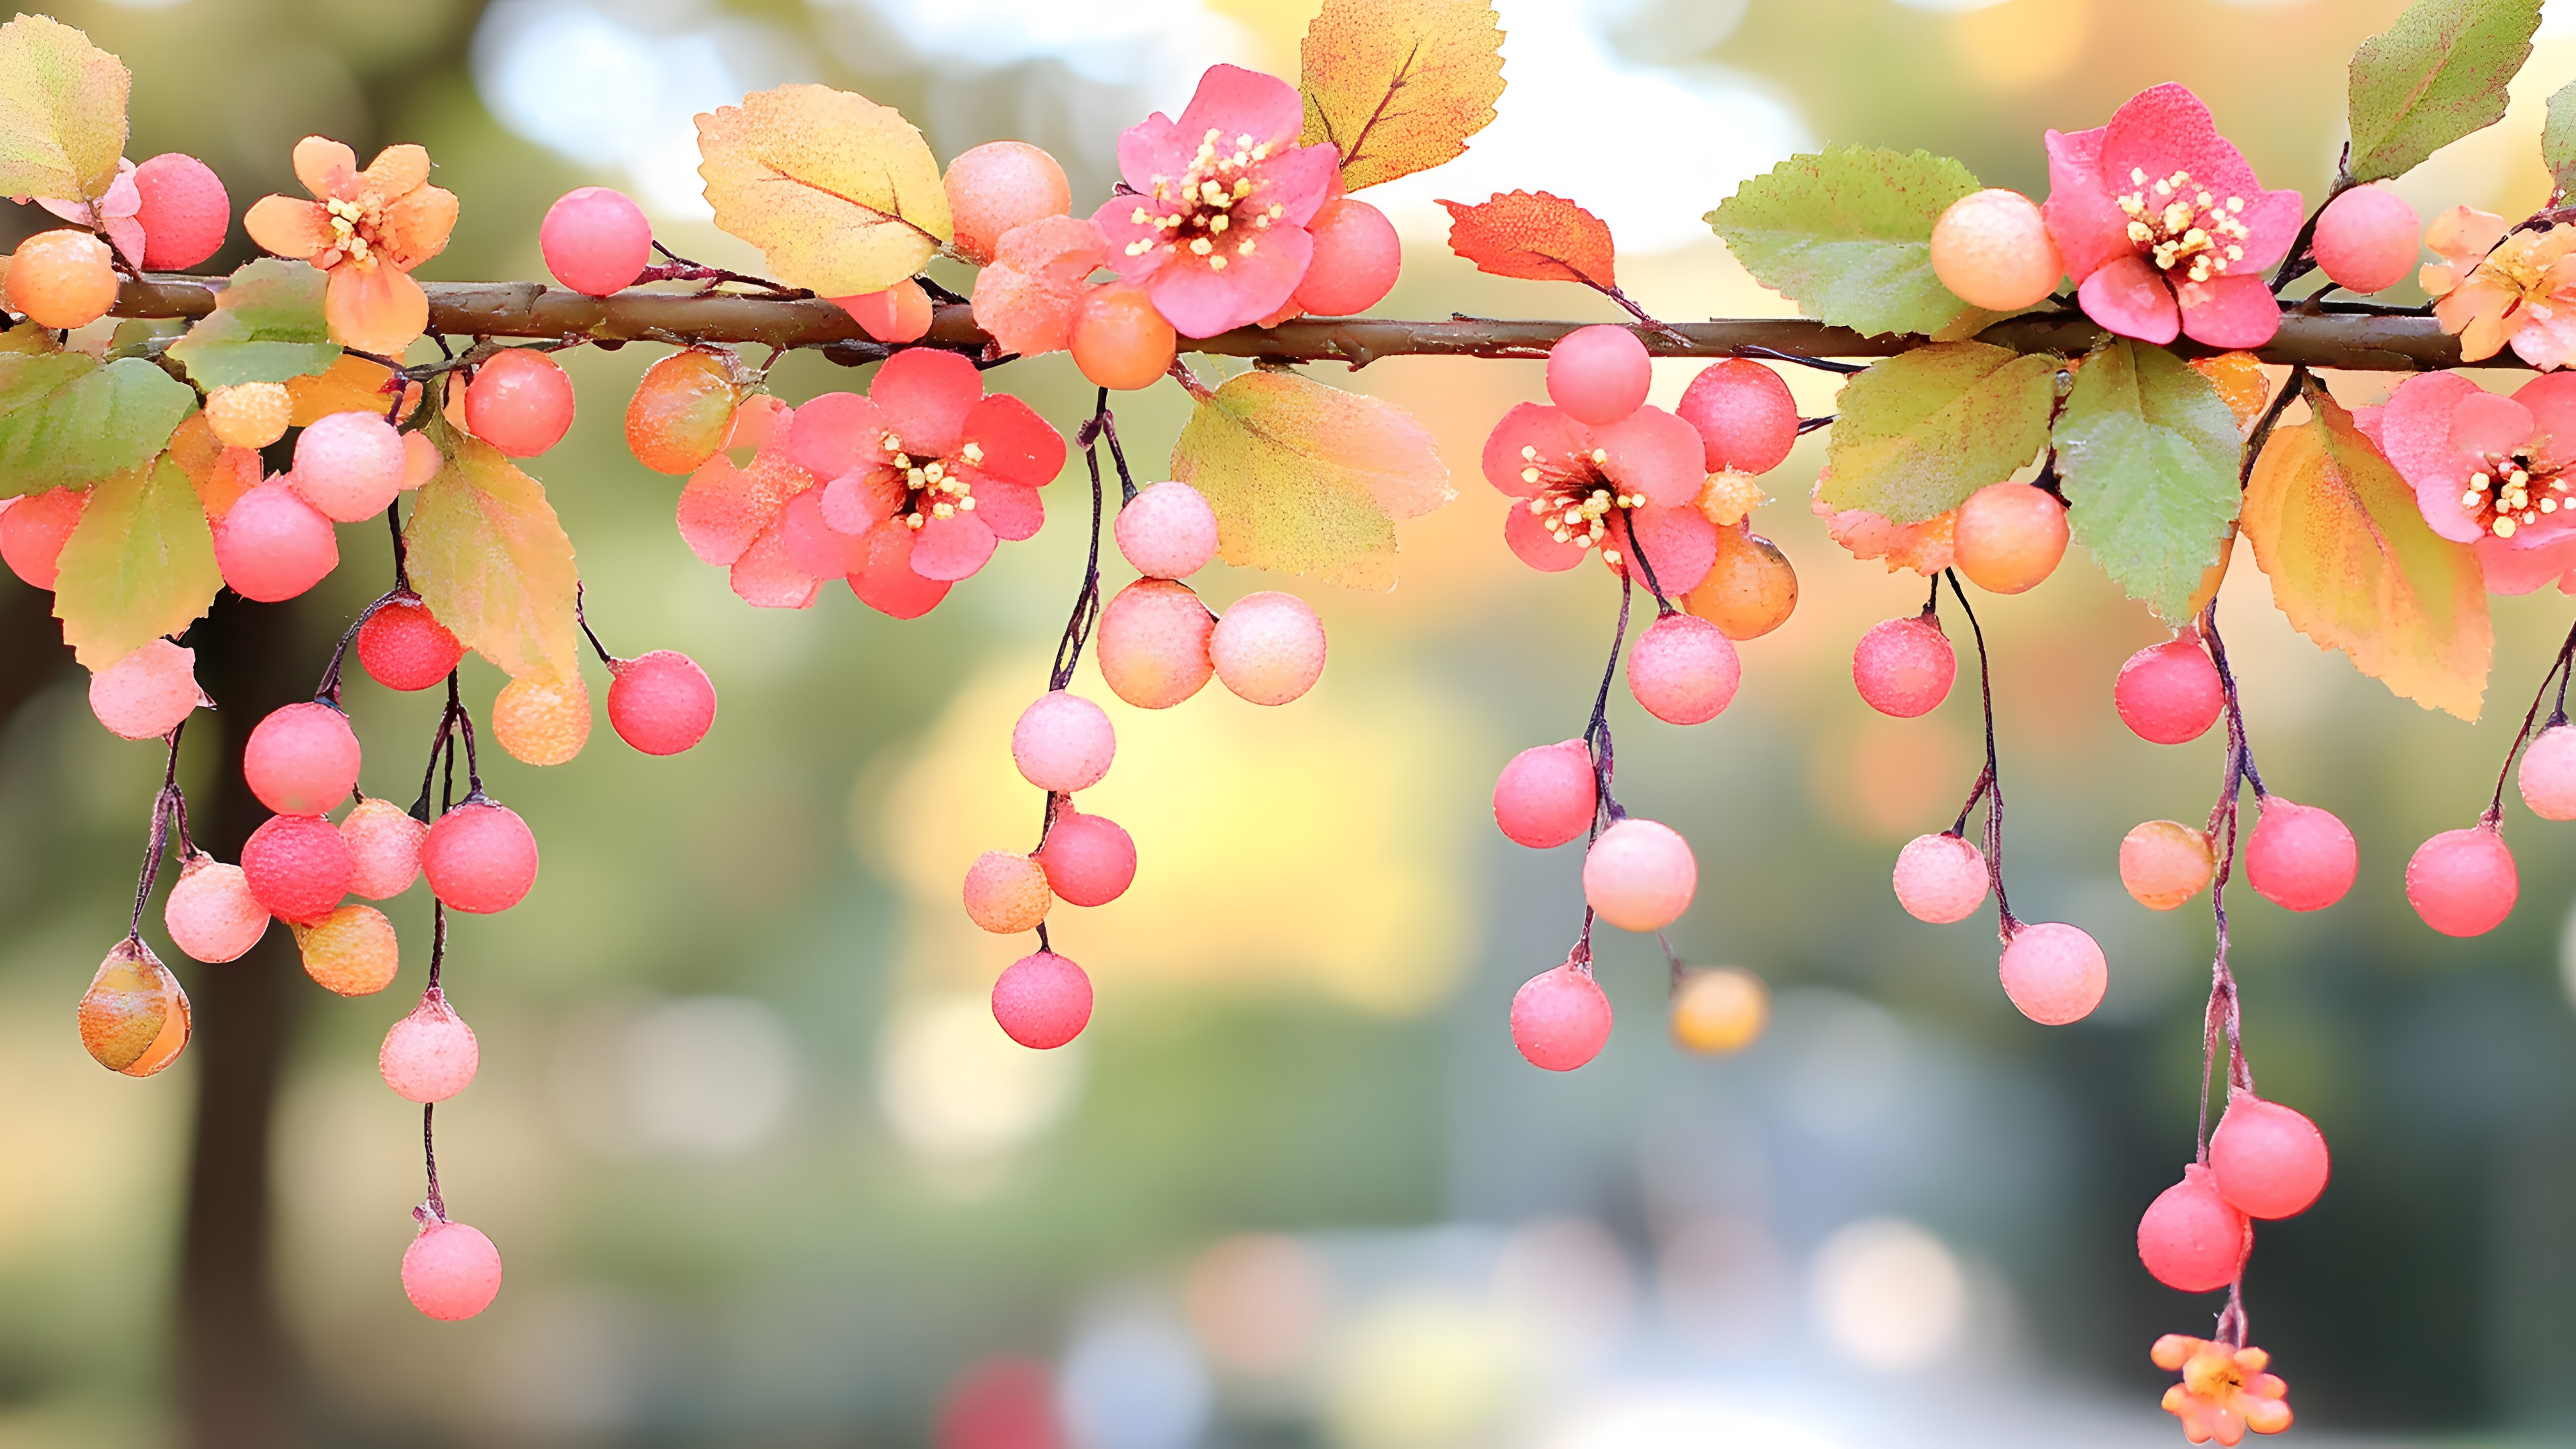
[350, 385]
[490, 559]
[1536, 236]
[2356, 568]
[1399, 85]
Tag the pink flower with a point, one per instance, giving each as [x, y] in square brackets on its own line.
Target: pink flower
[923, 476]
[2491, 288]
[2495, 471]
[1584, 486]
[1926, 547]
[114, 215]
[2163, 226]
[1216, 227]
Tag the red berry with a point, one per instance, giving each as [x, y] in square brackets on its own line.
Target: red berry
[1560, 1019]
[480, 857]
[2265, 1159]
[1089, 860]
[451, 1271]
[297, 866]
[1357, 256]
[1546, 795]
[595, 240]
[2299, 857]
[184, 214]
[1042, 1000]
[519, 401]
[2169, 693]
[1744, 414]
[2054, 972]
[998, 186]
[2463, 882]
[661, 703]
[2365, 239]
[403, 646]
[1903, 667]
[33, 529]
[271, 545]
[302, 759]
[1940, 878]
[1599, 374]
[2191, 1238]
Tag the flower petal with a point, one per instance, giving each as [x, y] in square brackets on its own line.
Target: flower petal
[765, 578]
[1234, 103]
[925, 394]
[2552, 403]
[888, 584]
[2130, 297]
[2164, 129]
[1559, 442]
[1013, 511]
[1678, 544]
[1528, 537]
[1117, 221]
[396, 171]
[1200, 301]
[2547, 337]
[2230, 312]
[1025, 297]
[948, 549]
[813, 545]
[2415, 433]
[1018, 445]
[416, 227]
[1150, 148]
[376, 309]
[861, 499]
[2083, 220]
[835, 433]
[286, 227]
[2463, 235]
[2486, 425]
[2272, 220]
[1656, 454]
[328, 169]
[1299, 180]
[2513, 570]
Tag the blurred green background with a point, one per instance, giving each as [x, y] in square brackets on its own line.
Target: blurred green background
[762, 1169]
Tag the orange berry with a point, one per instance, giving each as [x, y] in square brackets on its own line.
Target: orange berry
[2009, 537]
[1749, 591]
[249, 414]
[1993, 250]
[1119, 340]
[1721, 1009]
[62, 278]
[2165, 863]
[900, 313]
[542, 721]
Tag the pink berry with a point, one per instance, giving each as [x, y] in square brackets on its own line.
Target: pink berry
[450, 1271]
[2265, 1159]
[1640, 876]
[2548, 775]
[1167, 531]
[384, 848]
[349, 466]
[1599, 374]
[1903, 667]
[900, 313]
[1269, 647]
[1992, 250]
[297, 866]
[2463, 882]
[2365, 239]
[1940, 878]
[184, 214]
[272, 545]
[661, 703]
[430, 1055]
[1152, 646]
[2054, 973]
[1560, 1019]
[480, 857]
[1000, 185]
[211, 913]
[403, 646]
[1089, 860]
[1357, 257]
[1547, 794]
[1042, 1000]
[1746, 419]
[302, 759]
[33, 529]
[519, 401]
[148, 692]
[2191, 1238]
[595, 240]
[2299, 857]
[2169, 693]
[1063, 742]
[1683, 670]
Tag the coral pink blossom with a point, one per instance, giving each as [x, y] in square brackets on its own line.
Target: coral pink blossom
[925, 473]
[2491, 289]
[1586, 488]
[114, 215]
[368, 229]
[1927, 547]
[1216, 226]
[2163, 226]
[2495, 471]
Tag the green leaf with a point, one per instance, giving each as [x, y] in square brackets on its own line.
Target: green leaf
[1846, 233]
[2434, 76]
[144, 336]
[2558, 140]
[1308, 479]
[2148, 453]
[140, 564]
[488, 556]
[1917, 433]
[266, 327]
[62, 111]
[66, 422]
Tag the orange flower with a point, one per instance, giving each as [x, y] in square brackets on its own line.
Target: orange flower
[2224, 1390]
[2491, 288]
[368, 229]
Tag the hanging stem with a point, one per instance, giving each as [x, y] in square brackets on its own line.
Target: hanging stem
[582, 618]
[1990, 782]
[1596, 739]
[2557, 716]
[167, 805]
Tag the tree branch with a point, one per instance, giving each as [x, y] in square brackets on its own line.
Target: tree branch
[2348, 337]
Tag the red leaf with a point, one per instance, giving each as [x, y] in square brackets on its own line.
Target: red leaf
[1534, 235]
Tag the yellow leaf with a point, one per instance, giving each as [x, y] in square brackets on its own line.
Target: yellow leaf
[841, 193]
[1399, 85]
[350, 385]
[1308, 479]
[2356, 568]
[62, 111]
[490, 560]
[140, 564]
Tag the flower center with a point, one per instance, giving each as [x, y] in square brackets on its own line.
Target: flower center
[1575, 501]
[356, 228]
[1211, 218]
[2511, 493]
[935, 487]
[2184, 228]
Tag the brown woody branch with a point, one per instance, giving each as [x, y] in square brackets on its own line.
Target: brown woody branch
[2330, 337]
